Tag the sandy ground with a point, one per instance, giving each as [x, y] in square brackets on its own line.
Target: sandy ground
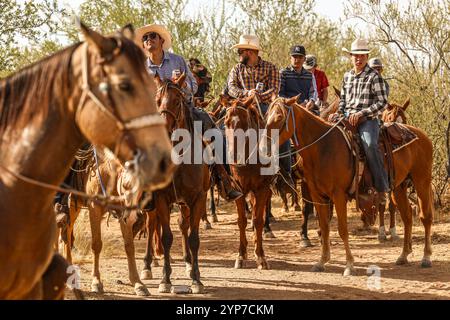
[290, 276]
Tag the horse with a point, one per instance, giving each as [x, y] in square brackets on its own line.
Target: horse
[97, 90]
[188, 190]
[244, 115]
[329, 163]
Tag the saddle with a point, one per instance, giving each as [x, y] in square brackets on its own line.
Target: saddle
[393, 137]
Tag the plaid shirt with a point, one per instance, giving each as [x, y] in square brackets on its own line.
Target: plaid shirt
[244, 78]
[365, 92]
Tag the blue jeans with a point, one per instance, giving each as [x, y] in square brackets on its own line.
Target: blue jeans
[369, 131]
[284, 149]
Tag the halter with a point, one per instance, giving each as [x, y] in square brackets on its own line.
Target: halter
[144, 121]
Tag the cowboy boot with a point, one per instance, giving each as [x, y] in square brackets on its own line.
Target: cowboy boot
[226, 190]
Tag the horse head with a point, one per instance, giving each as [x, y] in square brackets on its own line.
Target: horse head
[395, 112]
[115, 107]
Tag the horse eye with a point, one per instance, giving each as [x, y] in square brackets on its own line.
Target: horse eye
[125, 86]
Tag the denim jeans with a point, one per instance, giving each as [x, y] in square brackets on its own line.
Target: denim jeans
[369, 131]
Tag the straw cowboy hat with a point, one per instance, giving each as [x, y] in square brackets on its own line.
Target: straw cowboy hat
[359, 46]
[159, 29]
[248, 41]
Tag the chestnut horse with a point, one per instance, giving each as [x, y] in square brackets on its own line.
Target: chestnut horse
[329, 163]
[99, 91]
[244, 115]
[188, 189]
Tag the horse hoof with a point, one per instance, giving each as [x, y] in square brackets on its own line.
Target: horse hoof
[141, 290]
[146, 274]
[188, 270]
[297, 208]
[286, 210]
[264, 265]
[97, 287]
[164, 288]
[248, 215]
[215, 218]
[197, 288]
[426, 263]
[401, 261]
[269, 235]
[155, 263]
[239, 264]
[349, 272]
[305, 243]
[272, 219]
[318, 268]
[382, 238]
[395, 238]
[207, 226]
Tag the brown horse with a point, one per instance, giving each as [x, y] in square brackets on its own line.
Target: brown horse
[188, 190]
[97, 90]
[244, 115]
[328, 164]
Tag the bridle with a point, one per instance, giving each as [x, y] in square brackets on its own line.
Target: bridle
[176, 116]
[125, 126]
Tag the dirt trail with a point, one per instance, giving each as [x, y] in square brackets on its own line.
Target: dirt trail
[290, 276]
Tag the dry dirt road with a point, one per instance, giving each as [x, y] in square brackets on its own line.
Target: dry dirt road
[290, 276]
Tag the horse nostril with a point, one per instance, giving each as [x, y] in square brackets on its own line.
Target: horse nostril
[163, 164]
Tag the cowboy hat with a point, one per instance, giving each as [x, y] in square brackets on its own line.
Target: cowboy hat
[375, 62]
[157, 28]
[310, 62]
[248, 41]
[359, 46]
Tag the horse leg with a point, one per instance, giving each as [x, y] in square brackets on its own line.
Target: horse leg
[183, 223]
[324, 224]
[283, 196]
[340, 204]
[381, 229]
[392, 228]
[194, 242]
[74, 211]
[212, 203]
[95, 219]
[401, 201]
[425, 196]
[54, 279]
[242, 223]
[127, 233]
[258, 222]
[207, 225]
[146, 273]
[167, 238]
[268, 234]
[307, 210]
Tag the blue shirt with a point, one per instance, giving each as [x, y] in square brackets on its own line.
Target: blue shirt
[293, 83]
[171, 62]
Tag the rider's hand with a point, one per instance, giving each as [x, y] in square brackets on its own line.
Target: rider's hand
[354, 118]
[252, 92]
[333, 117]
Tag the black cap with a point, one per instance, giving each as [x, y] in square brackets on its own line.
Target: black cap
[298, 50]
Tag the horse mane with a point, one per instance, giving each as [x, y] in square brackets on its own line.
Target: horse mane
[45, 85]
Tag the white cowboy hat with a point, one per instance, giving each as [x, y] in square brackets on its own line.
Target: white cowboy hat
[359, 46]
[310, 62]
[248, 41]
[375, 62]
[159, 29]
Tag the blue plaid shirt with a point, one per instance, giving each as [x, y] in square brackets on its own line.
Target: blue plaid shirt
[171, 62]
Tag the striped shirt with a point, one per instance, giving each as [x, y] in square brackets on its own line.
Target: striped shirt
[243, 78]
[171, 62]
[365, 92]
[298, 82]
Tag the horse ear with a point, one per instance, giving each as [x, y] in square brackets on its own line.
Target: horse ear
[337, 91]
[224, 99]
[389, 107]
[406, 104]
[128, 32]
[247, 102]
[103, 44]
[158, 81]
[181, 79]
[292, 100]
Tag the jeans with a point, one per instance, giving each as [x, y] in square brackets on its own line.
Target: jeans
[369, 131]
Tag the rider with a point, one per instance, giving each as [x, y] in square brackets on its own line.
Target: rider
[363, 96]
[253, 71]
[202, 77]
[156, 40]
[295, 80]
[321, 79]
[377, 65]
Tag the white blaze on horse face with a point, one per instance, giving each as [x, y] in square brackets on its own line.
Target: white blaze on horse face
[235, 121]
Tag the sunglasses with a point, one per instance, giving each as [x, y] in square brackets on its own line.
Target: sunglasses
[241, 51]
[151, 35]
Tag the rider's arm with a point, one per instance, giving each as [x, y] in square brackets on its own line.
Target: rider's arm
[273, 84]
[378, 89]
[234, 87]
[341, 108]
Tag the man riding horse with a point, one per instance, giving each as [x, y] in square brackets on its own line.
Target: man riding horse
[363, 96]
[156, 40]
